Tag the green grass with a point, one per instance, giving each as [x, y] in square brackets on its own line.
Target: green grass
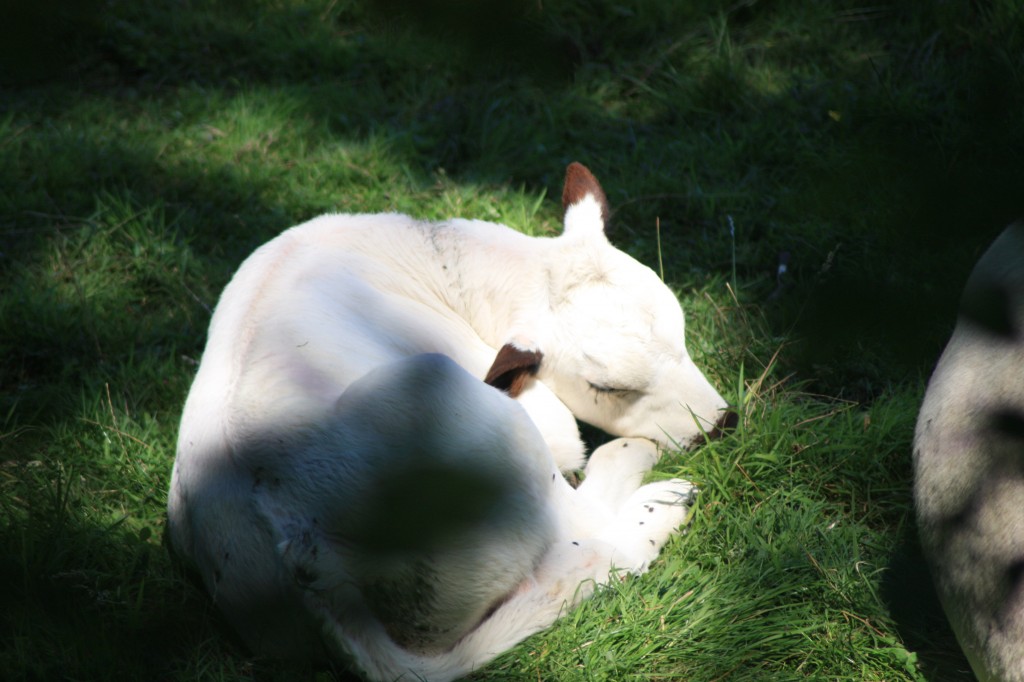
[147, 148]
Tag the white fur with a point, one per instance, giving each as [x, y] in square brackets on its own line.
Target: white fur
[347, 486]
[968, 487]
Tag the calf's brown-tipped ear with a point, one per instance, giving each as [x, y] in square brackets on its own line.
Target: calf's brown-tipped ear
[579, 182]
[512, 368]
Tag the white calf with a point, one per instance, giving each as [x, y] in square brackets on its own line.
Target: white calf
[347, 486]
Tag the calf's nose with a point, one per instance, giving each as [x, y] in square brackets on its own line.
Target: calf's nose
[726, 422]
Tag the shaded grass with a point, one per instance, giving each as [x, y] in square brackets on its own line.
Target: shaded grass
[158, 143]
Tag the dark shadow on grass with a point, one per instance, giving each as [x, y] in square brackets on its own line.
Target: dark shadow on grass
[72, 599]
[914, 605]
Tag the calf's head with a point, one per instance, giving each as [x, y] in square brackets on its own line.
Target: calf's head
[610, 341]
